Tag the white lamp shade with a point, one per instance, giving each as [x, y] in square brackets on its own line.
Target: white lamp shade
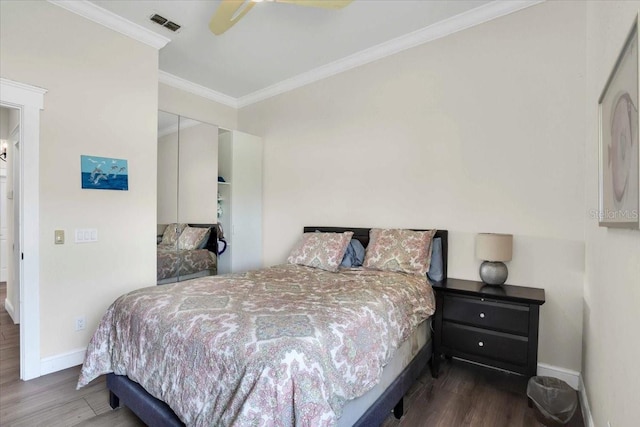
[494, 247]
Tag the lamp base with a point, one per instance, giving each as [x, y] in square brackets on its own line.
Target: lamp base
[493, 273]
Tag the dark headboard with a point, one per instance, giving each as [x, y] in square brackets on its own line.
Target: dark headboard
[362, 234]
[212, 244]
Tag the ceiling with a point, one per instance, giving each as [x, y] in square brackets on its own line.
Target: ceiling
[275, 41]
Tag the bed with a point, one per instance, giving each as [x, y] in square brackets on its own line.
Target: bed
[369, 395]
[175, 264]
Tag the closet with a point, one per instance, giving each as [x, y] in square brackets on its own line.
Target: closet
[240, 200]
[207, 175]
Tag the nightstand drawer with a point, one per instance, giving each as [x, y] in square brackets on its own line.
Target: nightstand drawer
[489, 344]
[487, 314]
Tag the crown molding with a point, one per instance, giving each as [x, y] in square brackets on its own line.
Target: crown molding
[471, 18]
[115, 22]
[196, 89]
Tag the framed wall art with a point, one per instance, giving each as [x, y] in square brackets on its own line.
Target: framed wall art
[619, 193]
[104, 173]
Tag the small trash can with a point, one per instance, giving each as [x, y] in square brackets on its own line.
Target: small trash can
[554, 400]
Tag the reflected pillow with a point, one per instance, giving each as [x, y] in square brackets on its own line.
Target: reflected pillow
[321, 250]
[354, 256]
[205, 240]
[404, 251]
[191, 237]
[171, 233]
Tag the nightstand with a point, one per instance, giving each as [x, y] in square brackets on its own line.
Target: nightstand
[492, 325]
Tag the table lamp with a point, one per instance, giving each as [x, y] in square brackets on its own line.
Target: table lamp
[494, 250]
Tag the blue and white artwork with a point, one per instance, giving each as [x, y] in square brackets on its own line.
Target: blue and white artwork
[103, 173]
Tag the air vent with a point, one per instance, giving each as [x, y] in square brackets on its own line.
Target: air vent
[161, 20]
[172, 26]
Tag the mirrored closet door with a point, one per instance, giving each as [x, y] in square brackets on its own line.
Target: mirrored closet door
[187, 202]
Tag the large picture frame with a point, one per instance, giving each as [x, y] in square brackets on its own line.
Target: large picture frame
[619, 162]
[619, 186]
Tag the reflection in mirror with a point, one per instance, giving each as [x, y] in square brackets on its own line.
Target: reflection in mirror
[198, 176]
[168, 229]
[187, 184]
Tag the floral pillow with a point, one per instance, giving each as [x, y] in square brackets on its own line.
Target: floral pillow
[321, 250]
[191, 237]
[171, 233]
[399, 250]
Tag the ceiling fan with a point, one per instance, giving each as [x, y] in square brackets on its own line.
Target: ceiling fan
[231, 11]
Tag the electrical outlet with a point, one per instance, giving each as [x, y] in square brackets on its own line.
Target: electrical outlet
[80, 323]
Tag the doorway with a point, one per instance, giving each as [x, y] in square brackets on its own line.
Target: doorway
[10, 209]
[26, 101]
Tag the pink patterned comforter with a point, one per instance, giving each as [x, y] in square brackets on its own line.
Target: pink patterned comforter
[283, 346]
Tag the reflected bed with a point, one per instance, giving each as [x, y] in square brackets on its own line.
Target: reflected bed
[175, 264]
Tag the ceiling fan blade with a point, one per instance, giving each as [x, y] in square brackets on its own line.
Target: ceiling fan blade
[326, 4]
[228, 13]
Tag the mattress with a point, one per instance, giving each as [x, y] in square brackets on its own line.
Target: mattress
[355, 408]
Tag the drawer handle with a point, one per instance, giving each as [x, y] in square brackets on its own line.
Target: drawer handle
[480, 344]
[482, 315]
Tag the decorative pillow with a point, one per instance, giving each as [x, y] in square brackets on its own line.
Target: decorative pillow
[321, 250]
[399, 250]
[436, 269]
[191, 237]
[171, 233]
[354, 256]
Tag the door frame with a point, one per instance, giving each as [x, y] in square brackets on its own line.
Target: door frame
[29, 100]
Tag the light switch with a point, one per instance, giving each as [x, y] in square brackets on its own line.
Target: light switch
[59, 237]
[86, 235]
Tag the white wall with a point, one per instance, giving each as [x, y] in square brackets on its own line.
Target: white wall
[4, 123]
[611, 348]
[481, 131]
[102, 100]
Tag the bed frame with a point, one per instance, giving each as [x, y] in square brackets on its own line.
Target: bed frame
[155, 412]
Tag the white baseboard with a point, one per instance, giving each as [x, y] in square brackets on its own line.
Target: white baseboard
[62, 361]
[584, 406]
[9, 307]
[567, 375]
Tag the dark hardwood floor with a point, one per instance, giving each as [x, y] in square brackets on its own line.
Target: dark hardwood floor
[463, 395]
[470, 395]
